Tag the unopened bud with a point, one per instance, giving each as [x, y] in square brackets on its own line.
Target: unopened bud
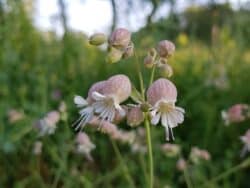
[97, 39]
[120, 38]
[149, 61]
[166, 70]
[165, 48]
[135, 116]
[114, 55]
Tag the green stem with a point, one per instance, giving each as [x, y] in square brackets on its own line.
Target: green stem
[152, 75]
[187, 179]
[230, 171]
[139, 75]
[150, 153]
[124, 166]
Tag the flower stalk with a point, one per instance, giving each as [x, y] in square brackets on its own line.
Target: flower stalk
[150, 153]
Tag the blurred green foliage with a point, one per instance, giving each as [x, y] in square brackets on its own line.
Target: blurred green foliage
[211, 72]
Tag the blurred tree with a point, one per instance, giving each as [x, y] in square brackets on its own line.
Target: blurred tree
[63, 15]
[114, 14]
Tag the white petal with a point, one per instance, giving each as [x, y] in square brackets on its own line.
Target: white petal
[155, 119]
[172, 122]
[80, 101]
[180, 109]
[153, 112]
[121, 111]
[97, 96]
[99, 107]
[167, 133]
[164, 120]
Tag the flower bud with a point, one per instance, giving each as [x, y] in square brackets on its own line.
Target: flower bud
[165, 48]
[120, 38]
[129, 51]
[135, 116]
[97, 39]
[149, 61]
[114, 55]
[166, 70]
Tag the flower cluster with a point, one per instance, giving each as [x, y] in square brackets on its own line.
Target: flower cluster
[119, 42]
[159, 57]
[104, 106]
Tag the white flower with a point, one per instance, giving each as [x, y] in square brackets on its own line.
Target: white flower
[162, 96]
[117, 89]
[47, 125]
[86, 109]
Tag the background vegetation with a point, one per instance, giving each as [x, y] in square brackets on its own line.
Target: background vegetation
[211, 71]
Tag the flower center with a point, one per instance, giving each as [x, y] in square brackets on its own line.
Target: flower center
[166, 107]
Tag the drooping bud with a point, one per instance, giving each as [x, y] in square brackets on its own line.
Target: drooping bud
[97, 39]
[114, 55]
[161, 89]
[165, 48]
[120, 38]
[135, 116]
